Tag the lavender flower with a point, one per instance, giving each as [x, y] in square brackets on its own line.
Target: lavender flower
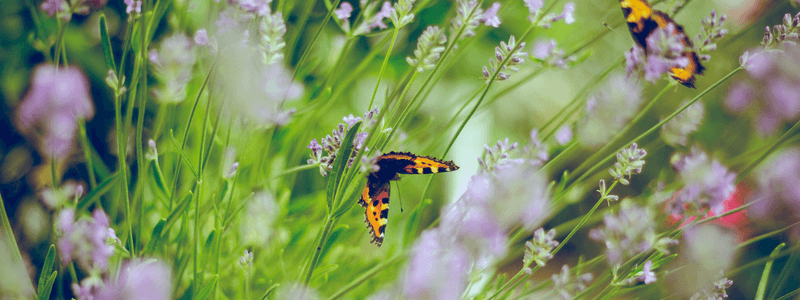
[57, 100]
[714, 291]
[385, 12]
[536, 152]
[401, 14]
[786, 33]
[201, 37]
[498, 157]
[468, 16]
[646, 275]
[776, 198]
[59, 8]
[254, 91]
[773, 88]
[272, 30]
[173, 68]
[547, 53]
[706, 184]
[133, 6]
[539, 249]
[56, 198]
[501, 53]
[332, 142]
[566, 286]
[85, 240]
[490, 16]
[676, 131]
[629, 232]
[429, 46]
[629, 161]
[564, 134]
[344, 11]
[538, 18]
[437, 268]
[140, 279]
[710, 32]
[608, 110]
[246, 262]
[664, 51]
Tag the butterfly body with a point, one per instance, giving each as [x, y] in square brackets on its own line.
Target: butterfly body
[643, 20]
[375, 197]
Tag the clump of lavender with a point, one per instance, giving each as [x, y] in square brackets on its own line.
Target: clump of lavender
[706, 184]
[88, 241]
[172, 65]
[64, 9]
[711, 31]
[676, 131]
[539, 249]
[664, 51]
[139, 279]
[437, 269]
[629, 161]
[401, 14]
[629, 232]
[501, 53]
[787, 32]
[272, 30]
[645, 275]
[538, 18]
[772, 88]
[332, 142]
[371, 18]
[547, 53]
[498, 157]
[56, 102]
[566, 286]
[468, 15]
[429, 47]
[776, 198]
[608, 110]
[714, 291]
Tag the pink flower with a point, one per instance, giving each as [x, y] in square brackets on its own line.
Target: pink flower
[56, 101]
[344, 11]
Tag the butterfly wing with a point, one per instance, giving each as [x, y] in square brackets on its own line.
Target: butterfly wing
[407, 163]
[637, 13]
[375, 199]
[685, 75]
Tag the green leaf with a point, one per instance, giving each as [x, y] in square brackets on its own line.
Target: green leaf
[48, 287]
[176, 213]
[183, 155]
[208, 247]
[155, 237]
[106, 41]
[46, 268]
[762, 285]
[352, 193]
[158, 181]
[340, 163]
[323, 271]
[206, 291]
[269, 290]
[100, 190]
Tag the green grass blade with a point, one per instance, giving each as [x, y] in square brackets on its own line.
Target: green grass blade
[101, 190]
[183, 155]
[340, 163]
[108, 54]
[762, 285]
[206, 291]
[155, 237]
[44, 294]
[46, 268]
[269, 290]
[178, 211]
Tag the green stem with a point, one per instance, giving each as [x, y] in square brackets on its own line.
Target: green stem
[383, 67]
[323, 238]
[87, 153]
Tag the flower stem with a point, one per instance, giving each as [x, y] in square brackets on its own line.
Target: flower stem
[383, 67]
[323, 238]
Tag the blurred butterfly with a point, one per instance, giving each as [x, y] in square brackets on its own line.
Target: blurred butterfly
[375, 197]
[643, 20]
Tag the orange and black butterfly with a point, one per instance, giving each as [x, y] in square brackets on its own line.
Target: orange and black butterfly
[375, 197]
[643, 20]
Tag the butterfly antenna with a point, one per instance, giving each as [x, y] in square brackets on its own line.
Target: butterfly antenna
[612, 30]
[399, 197]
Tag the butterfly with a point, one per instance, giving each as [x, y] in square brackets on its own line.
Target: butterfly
[643, 20]
[375, 197]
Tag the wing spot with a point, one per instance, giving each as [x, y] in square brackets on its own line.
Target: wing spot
[375, 203]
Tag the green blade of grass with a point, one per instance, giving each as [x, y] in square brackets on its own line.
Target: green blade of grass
[46, 268]
[101, 190]
[339, 164]
[762, 284]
